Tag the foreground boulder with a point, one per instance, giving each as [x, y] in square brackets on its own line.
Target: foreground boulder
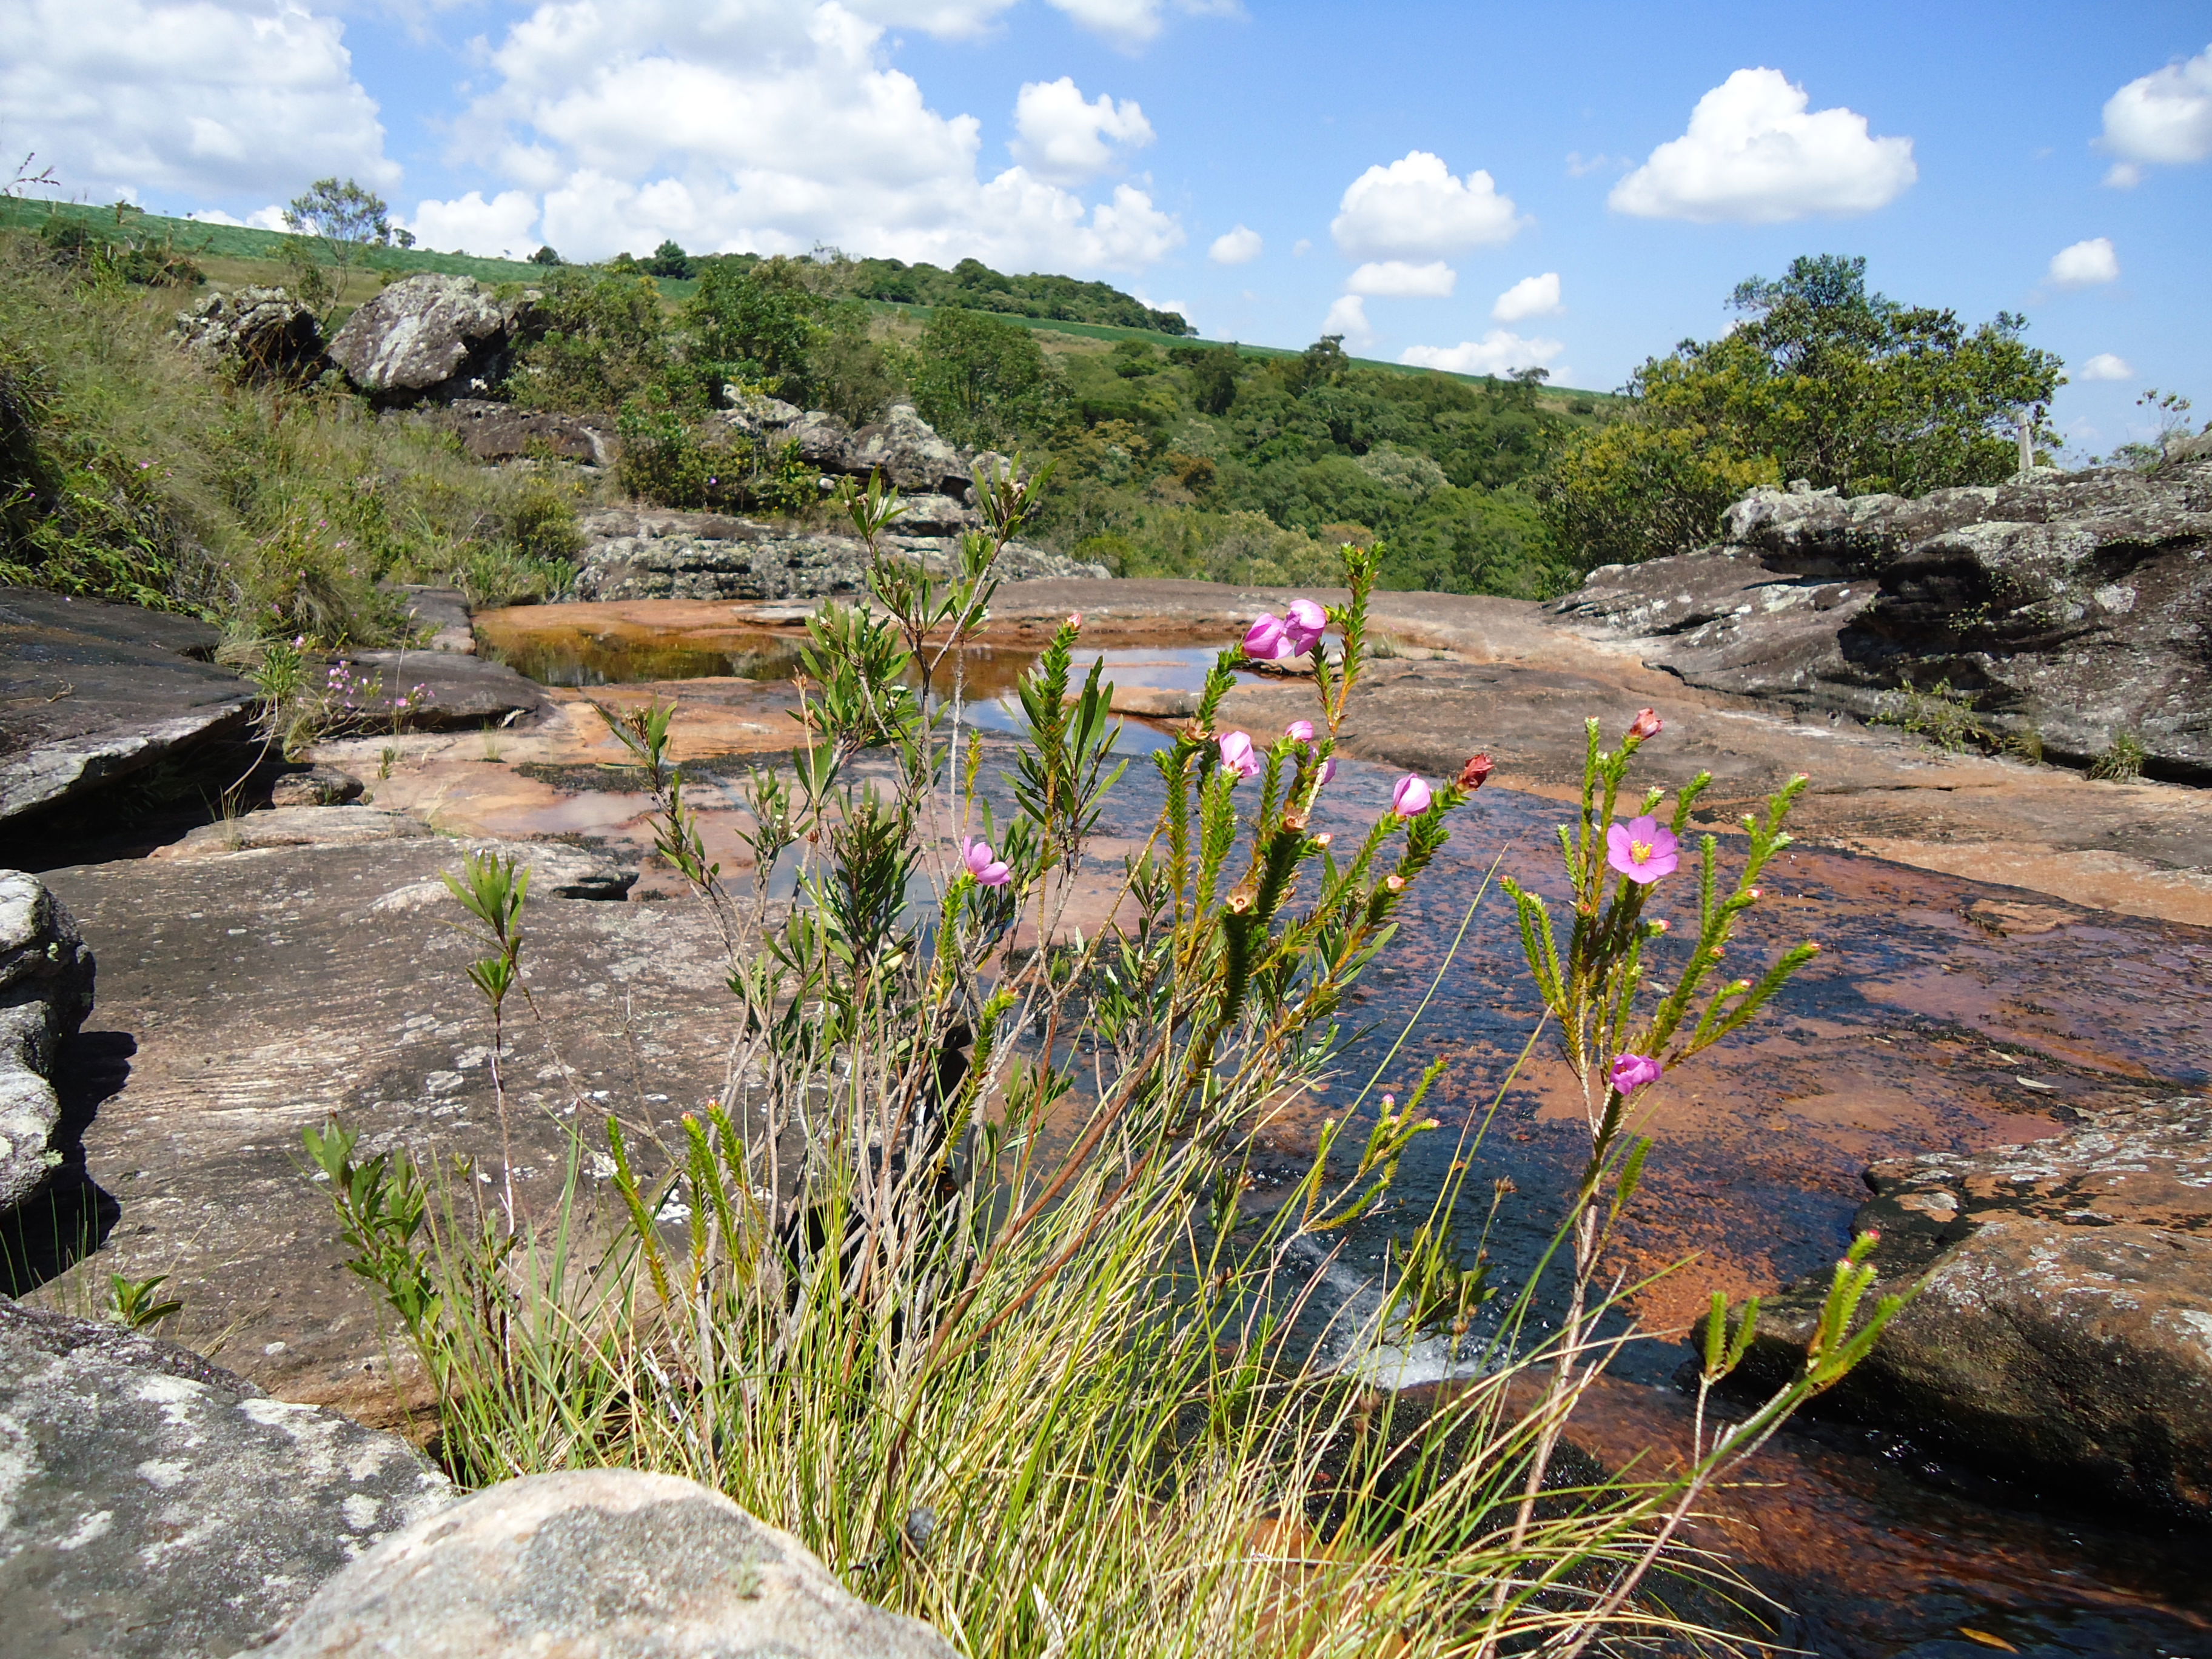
[2061, 1325]
[649, 555]
[158, 1505]
[442, 690]
[45, 991]
[494, 431]
[92, 692]
[263, 333]
[596, 1564]
[2069, 605]
[430, 337]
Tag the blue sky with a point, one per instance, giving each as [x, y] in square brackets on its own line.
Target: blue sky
[1395, 171]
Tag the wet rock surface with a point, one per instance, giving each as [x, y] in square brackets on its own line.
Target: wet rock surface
[45, 992]
[605, 1563]
[2072, 605]
[92, 692]
[429, 336]
[2060, 1324]
[455, 691]
[158, 1506]
[261, 332]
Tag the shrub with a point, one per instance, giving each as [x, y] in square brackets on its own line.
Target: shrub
[1943, 715]
[961, 1278]
[2120, 761]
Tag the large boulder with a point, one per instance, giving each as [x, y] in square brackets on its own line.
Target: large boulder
[596, 1564]
[92, 692]
[430, 337]
[444, 690]
[45, 991]
[494, 431]
[909, 452]
[158, 1506]
[2061, 1320]
[263, 333]
[2071, 605]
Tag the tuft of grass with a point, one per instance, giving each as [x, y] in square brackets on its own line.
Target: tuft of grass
[1944, 715]
[130, 471]
[2121, 761]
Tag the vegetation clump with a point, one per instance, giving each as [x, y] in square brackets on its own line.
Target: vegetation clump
[966, 1276]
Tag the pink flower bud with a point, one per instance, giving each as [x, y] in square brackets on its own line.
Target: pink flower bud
[1264, 641]
[1411, 798]
[1325, 838]
[1075, 619]
[1394, 882]
[1647, 724]
[1328, 771]
[1632, 1072]
[1477, 770]
[1302, 730]
[1302, 629]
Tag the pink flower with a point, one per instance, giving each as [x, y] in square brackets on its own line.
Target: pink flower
[1411, 798]
[1647, 724]
[1632, 1071]
[1236, 754]
[1302, 730]
[1075, 619]
[1264, 641]
[1302, 627]
[1328, 771]
[985, 866]
[1641, 850]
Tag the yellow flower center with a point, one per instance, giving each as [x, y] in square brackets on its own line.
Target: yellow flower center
[1640, 851]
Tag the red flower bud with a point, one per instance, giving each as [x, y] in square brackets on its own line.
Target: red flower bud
[1478, 768]
[1647, 724]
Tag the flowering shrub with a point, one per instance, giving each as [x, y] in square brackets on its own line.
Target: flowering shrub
[965, 1276]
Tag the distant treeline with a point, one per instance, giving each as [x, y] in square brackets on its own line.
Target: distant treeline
[971, 285]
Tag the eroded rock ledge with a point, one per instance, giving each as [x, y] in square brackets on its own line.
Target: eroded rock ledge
[2072, 605]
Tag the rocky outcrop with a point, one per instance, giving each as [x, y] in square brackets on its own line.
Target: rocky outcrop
[596, 1562]
[709, 555]
[263, 333]
[494, 431]
[438, 617]
[91, 692]
[2060, 1324]
[45, 991]
[2076, 605]
[316, 785]
[446, 691]
[158, 1506]
[430, 337]
[905, 449]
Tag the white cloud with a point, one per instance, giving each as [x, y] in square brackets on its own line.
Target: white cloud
[1498, 352]
[2084, 265]
[1532, 296]
[2162, 116]
[1348, 317]
[1063, 140]
[268, 218]
[1302, 246]
[1415, 206]
[1395, 279]
[503, 224]
[1754, 155]
[1239, 246]
[2106, 367]
[194, 97]
[770, 126]
[1130, 23]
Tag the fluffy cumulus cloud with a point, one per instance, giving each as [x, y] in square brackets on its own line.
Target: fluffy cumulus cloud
[1064, 140]
[205, 100]
[1397, 279]
[502, 225]
[1348, 317]
[1239, 246]
[1130, 23]
[1532, 296]
[2164, 117]
[1415, 207]
[2084, 265]
[770, 126]
[1755, 153]
[2105, 367]
[1498, 352]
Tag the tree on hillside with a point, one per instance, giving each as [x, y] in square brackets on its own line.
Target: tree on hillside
[760, 323]
[346, 219]
[983, 382]
[670, 260]
[1822, 381]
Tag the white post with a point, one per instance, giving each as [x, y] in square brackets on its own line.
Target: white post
[2027, 445]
